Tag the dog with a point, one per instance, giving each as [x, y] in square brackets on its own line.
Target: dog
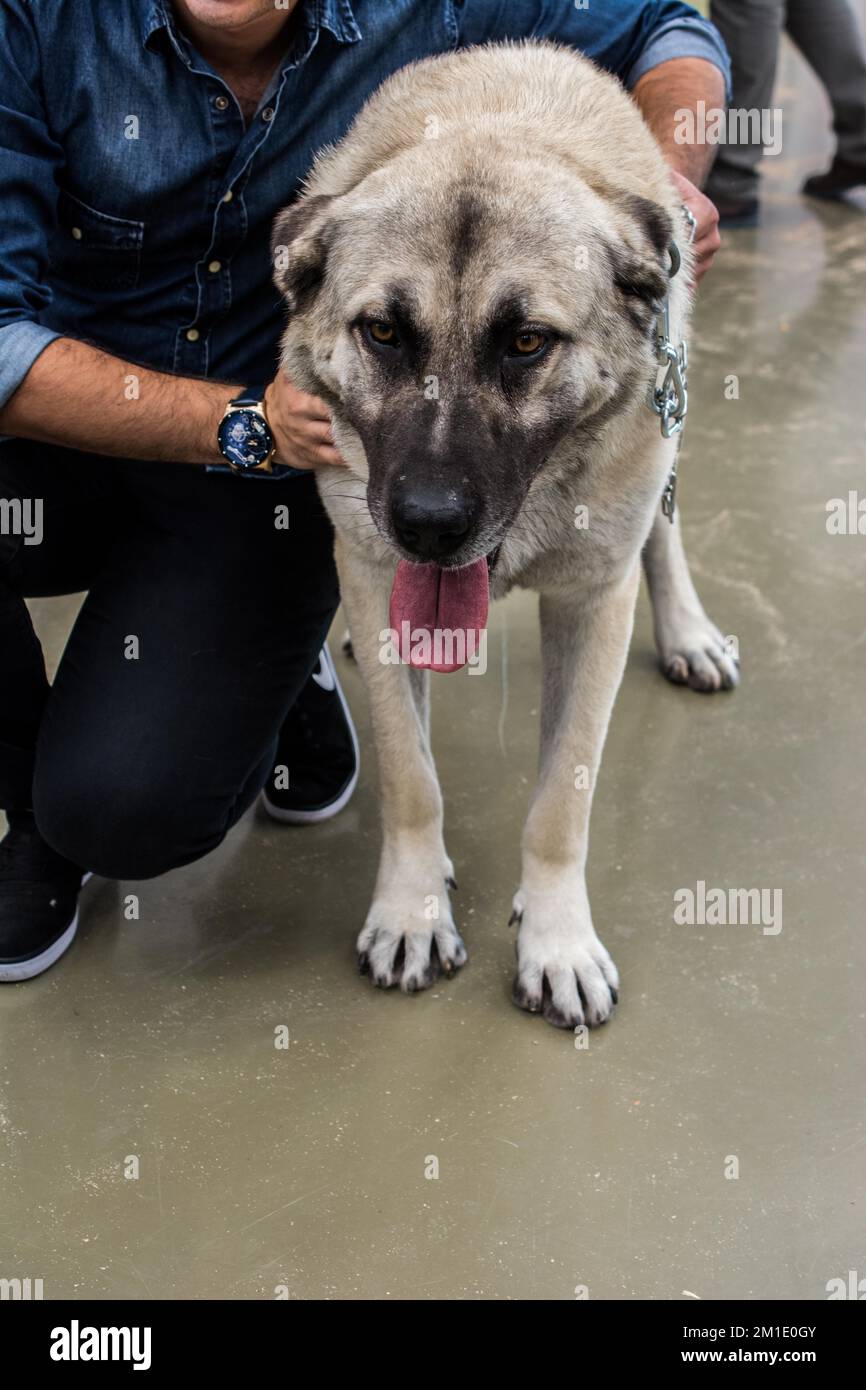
[473, 279]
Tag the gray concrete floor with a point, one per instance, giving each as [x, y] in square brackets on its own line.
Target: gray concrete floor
[305, 1167]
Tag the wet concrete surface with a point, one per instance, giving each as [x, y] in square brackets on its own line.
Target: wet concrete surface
[304, 1167]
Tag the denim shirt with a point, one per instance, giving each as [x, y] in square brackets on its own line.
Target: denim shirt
[136, 208]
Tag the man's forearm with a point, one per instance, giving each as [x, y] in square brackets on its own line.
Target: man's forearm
[679, 85]
[82, 398]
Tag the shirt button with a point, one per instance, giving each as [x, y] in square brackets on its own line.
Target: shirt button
[215, 267]
[227, 197]
[192, 335]
[268, 113]
[221, 103]
[77, 233]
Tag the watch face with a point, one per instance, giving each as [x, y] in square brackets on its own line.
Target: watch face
[245, 439]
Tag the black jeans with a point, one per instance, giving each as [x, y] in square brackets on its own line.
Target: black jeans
[202, 621]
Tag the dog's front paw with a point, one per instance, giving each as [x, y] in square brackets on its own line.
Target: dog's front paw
[563, 971]
[693, 652]
[410, 940]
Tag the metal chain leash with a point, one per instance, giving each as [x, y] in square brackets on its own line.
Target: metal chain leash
[669, 399]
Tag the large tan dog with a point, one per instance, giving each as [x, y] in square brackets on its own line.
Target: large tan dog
[473, 278]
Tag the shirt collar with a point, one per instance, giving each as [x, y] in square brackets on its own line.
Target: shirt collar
[337, 16]
[154, 18]
[334, 15]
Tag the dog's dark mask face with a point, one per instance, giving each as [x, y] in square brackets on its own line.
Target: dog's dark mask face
[451, 452]
[461, 334]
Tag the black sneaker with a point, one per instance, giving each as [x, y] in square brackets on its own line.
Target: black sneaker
[317, 755]
[38, 901]
[839, 179]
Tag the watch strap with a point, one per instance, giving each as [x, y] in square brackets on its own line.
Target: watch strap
[278, 474]
[253, 395]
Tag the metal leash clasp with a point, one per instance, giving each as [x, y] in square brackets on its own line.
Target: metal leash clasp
[670, 398]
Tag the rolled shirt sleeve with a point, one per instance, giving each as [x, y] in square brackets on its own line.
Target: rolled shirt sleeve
[21, 342]
[29, 161]
[683, 37]
[628, 37]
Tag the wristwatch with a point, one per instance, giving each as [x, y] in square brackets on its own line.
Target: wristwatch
[245, 440]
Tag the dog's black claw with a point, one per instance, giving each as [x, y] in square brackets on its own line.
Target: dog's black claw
[452, 884]
[515, 917]
[558, 1019]
[363, 963]
[522, 998]
[614, 994]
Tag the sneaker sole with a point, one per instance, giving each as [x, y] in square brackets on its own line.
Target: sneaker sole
[13, 971]
[333, 808]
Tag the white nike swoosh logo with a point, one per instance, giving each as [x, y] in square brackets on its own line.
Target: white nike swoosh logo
[324, 677]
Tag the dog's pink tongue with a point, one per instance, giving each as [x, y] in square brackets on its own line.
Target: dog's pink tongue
[439, 615]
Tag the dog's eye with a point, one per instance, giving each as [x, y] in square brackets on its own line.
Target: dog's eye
[526, 344]
[381, 333]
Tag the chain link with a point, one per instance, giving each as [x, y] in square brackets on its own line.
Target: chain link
[669, 399]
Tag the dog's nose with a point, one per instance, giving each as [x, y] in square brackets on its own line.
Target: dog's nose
[432, 523]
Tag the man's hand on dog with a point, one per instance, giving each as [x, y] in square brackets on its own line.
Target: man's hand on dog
[301, 426]
[707, 240]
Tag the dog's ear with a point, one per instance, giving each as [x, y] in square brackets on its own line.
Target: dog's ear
[652, 219]
[642, 274]
[299, 249]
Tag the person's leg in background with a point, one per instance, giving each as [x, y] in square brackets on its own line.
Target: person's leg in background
[830, 36]
[751, 30]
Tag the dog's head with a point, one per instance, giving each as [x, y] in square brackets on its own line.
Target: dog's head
[462, 314]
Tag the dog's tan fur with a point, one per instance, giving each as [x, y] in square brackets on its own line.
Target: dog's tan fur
[556, 158]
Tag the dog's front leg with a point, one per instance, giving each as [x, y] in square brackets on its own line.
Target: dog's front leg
[563, 970]
[692, 650]
[409, 936]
